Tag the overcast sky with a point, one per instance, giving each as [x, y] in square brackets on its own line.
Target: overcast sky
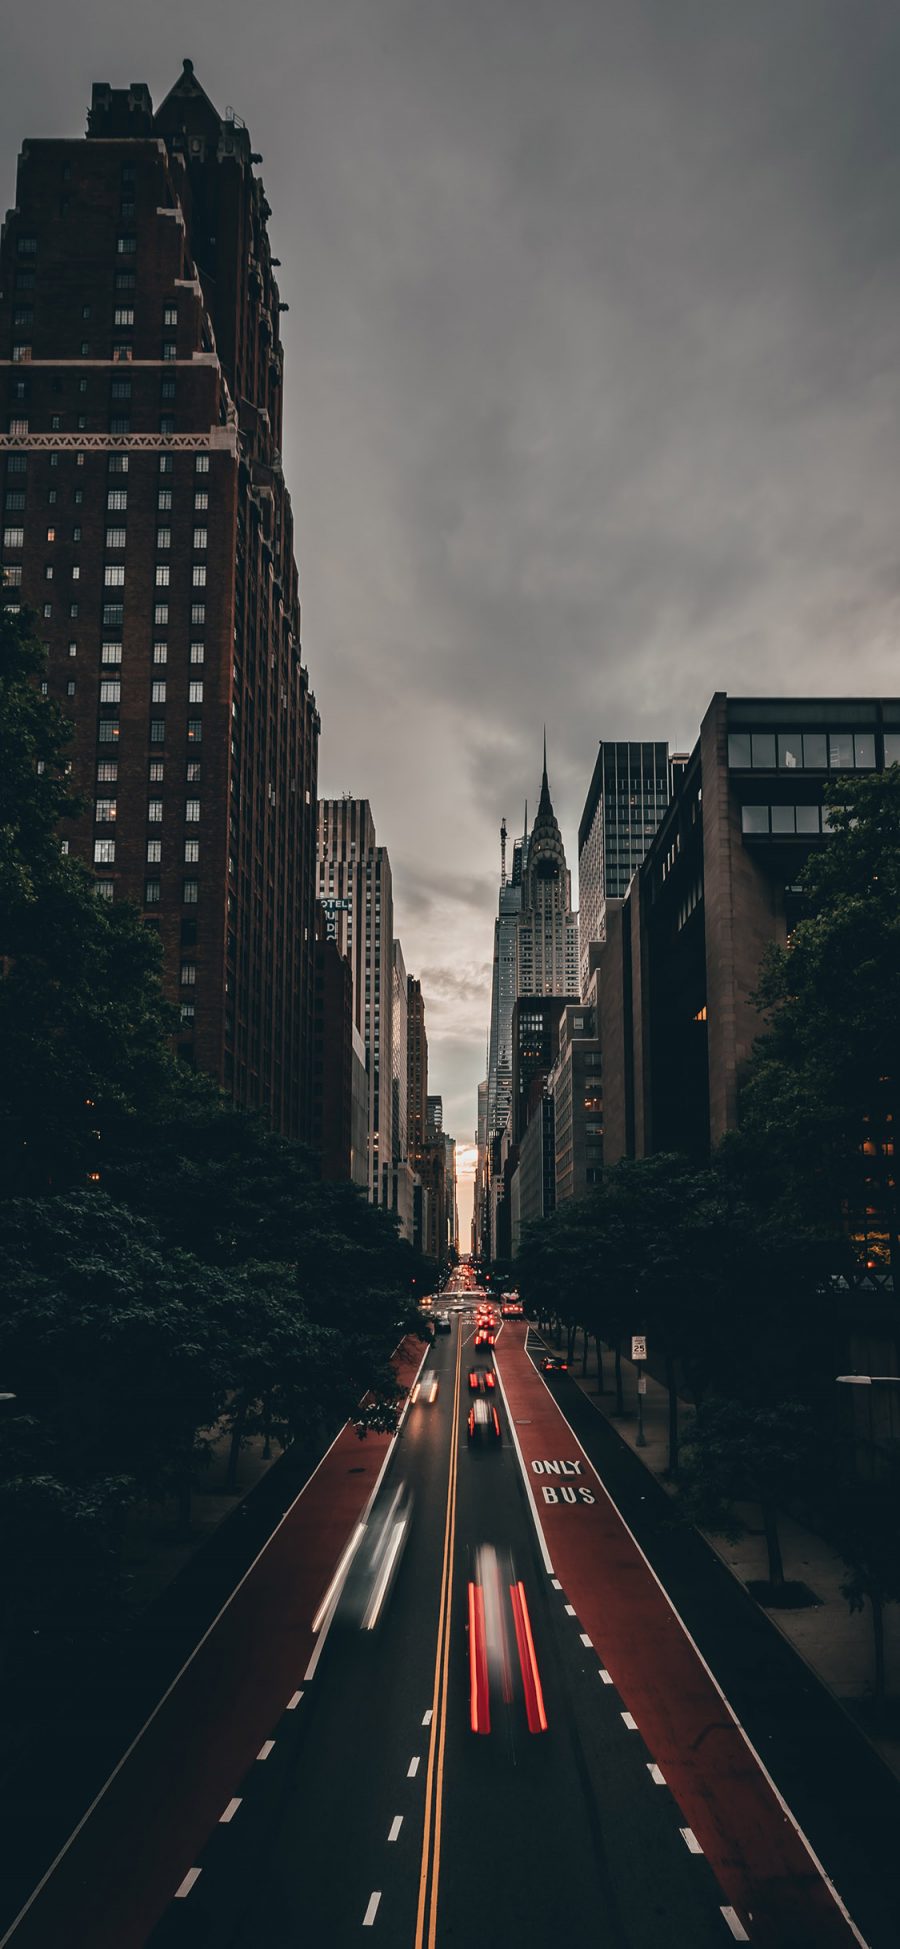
[591, 382]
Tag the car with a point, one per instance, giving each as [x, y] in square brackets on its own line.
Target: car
[484, 1424]
[442, 1322]
[484, 1338]
[482, 1380]
[425, 1390]
[553, 1363]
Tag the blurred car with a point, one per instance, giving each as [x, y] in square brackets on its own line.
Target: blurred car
[376, 1560]
[484, 1337]
[442, 1322]
[425, 1390]
[552, 1363]
[482, 1380]
[484, 1425]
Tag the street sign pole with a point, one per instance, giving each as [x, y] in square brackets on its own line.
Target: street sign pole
[639, 1355]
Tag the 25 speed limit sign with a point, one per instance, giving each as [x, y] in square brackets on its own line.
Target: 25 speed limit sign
[638, 1346]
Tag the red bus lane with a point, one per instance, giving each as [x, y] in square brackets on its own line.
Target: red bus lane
[120, 1869]
[763, 1866]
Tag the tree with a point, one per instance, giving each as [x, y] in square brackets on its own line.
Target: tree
[740, 1453]
[83, 1020]
[821, 1095]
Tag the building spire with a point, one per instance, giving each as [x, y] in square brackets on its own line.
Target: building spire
[503, 852]
[544, 778]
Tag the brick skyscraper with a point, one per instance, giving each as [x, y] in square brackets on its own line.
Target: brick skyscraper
[147, 522]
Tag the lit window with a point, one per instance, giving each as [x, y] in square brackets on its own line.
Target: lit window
[195, 730]
[170, 351]
[198, 613]
[201, 501]
[201, 464]
[191, 852]
[48, 572]
[154, 852]
[195, 693]
[151, 893]
[108, 731]
[200, 537]
[187, 1015]
[114, 575]
[126, 246]
[111, 653]
[104, 811]
[115, 537]
[170, 315]
[104, 852]
[157, 769]
[107, 771]
[110, 690]
[164, 535]
[123, 315]
[158, 691]
[191, 811]
[160, 653]
[73, 649]
[21, 354]
[11, 576]
[157, 730]
[188, 974]
[154, 811]
[118, 463]
[162, 575]
[160, 615]
[13, 537]
[197, 653]
[191, 892]
[164, 500]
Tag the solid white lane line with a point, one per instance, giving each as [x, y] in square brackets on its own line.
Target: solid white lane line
[586, 1640]
[230, 1812]
[395, 1827]
[607, 1680]
[789, 1815]
[412, 1768]
[690, 1840]
[658, 1778]
[426, 1717]
[265, 1749]
[629, 1722]
[193, 1874]
[736, 1925]
[372, 1909]
[526, 1478]
[570, 1610]
[293, 1702]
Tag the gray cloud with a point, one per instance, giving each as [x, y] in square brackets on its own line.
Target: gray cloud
[592, 379]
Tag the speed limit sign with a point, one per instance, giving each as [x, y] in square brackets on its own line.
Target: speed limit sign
[638, 1346]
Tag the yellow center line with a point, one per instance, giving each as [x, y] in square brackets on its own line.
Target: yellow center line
[439, 1697]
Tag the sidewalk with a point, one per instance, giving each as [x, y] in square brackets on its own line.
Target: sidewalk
[835, 1642]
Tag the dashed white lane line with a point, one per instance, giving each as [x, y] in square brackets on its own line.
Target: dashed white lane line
[570, 1610]
[372, 1909]
[736, 1925]
[690, 1840]
[607, 1680]
[413, 1768]
[265, 1749]
[427, 1717]
[556, 1583]
[629, 1722]
[230, 1812]
[293, 1702]
[586, 1640]
[193, 1874]
[395, 1827]
[658, 1778]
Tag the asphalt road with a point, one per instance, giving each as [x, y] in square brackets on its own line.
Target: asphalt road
[377, 1807]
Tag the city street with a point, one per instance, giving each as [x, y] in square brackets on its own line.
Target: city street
[613, 1782]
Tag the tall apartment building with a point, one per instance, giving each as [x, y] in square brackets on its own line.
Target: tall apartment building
[628, 794]
[354, 888]
[416, 1066]
[146, 521]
